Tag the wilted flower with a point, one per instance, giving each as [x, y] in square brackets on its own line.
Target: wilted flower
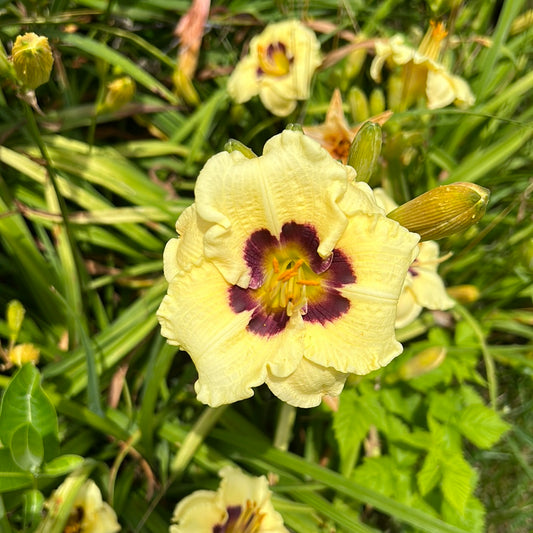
[32, 58]
[423, 286]
[89, 514]
[279, 67]
[242, 503]
[335, 134]
[287, 272]
[422, 74]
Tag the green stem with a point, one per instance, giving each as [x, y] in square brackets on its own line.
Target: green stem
[286, 418]
[487, 357]
[194, 439]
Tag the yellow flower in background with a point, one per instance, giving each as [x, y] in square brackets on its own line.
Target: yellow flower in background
[242, 504]
[335, 134]
[423, 287]
[422, 74]
[279, 67]
[89, 514]
[287, 272]
[23, 353]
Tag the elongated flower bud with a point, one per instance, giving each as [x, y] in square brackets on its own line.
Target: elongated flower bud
[422, 363]
[365, 150]
[15, 316]
[443, 211]
[32, 58]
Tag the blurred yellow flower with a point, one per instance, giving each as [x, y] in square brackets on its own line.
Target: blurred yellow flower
[422, 74]
[89, 514]
[423, 286]
[335, 134]
[287, 272]
[279, 67]
[23, 353]
[242, 504]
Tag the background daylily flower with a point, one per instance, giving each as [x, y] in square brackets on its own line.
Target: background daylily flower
[423, 287]
[242, 503]
[89, 513]
[335, 134]
[287, 272]
[279, 67]
[422, 75]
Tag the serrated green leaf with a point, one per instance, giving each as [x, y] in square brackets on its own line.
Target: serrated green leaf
[27, 447]
[430, 473]
[12, 477]
[377, 473]
[24, 402]
[472, 519]
[62, 465]
[458, 479]
[481, 425]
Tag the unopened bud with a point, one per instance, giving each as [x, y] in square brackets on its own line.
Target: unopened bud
[32, 58]
[14, 315]
[395, 94]
[233, 145]
[119, 93]
[464, 294]
[365, 150]
[358, 103]
[354, 63]
[443, 211]
[422, 363]
[377, 101]
[23, 353]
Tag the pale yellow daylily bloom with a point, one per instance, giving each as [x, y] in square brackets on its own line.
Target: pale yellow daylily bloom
[242, 503]
[89, 514]
[279, 67]
[335, 134]
[423, 286]
[423, 76]
[287, 272]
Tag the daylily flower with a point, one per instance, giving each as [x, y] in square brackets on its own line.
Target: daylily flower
[422, 74]
[242, 503]
[89, 513]
[287, 272]
[335, 134]
[279, 67]
[423, 286]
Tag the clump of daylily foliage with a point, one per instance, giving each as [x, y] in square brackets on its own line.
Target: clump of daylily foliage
[301, 293]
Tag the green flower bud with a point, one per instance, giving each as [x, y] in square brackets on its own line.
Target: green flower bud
[233, 145]
[358, 103]
[443, 211]
[365, 150]
[15, 316]
[464, 294]
[377, 101]
[32, 58]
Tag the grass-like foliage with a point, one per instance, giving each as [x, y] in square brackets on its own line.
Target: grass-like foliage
[96, 165]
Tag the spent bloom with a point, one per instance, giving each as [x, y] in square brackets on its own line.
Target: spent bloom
[335, 134]
[32, 59]
[286, 272]
[242, 504]
[279, 66]
[423, 287]
[422, 76]
[89, 514]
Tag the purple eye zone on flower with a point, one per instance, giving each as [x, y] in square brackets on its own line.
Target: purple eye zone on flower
[241, 520]
[274, 60]
[287, 277]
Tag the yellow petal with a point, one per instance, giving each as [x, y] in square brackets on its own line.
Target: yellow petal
[243, 83]
[197, 512]
[408, 309]
[294, 180]
[195, 314]
[439, 89]
[364, 338]
[307, 385]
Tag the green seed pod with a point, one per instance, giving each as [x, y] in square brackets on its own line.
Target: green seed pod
[365, 150]
[443, 211]
[32, 58]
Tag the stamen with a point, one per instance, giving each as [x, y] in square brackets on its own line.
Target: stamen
[275, 265]
[313, 282]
